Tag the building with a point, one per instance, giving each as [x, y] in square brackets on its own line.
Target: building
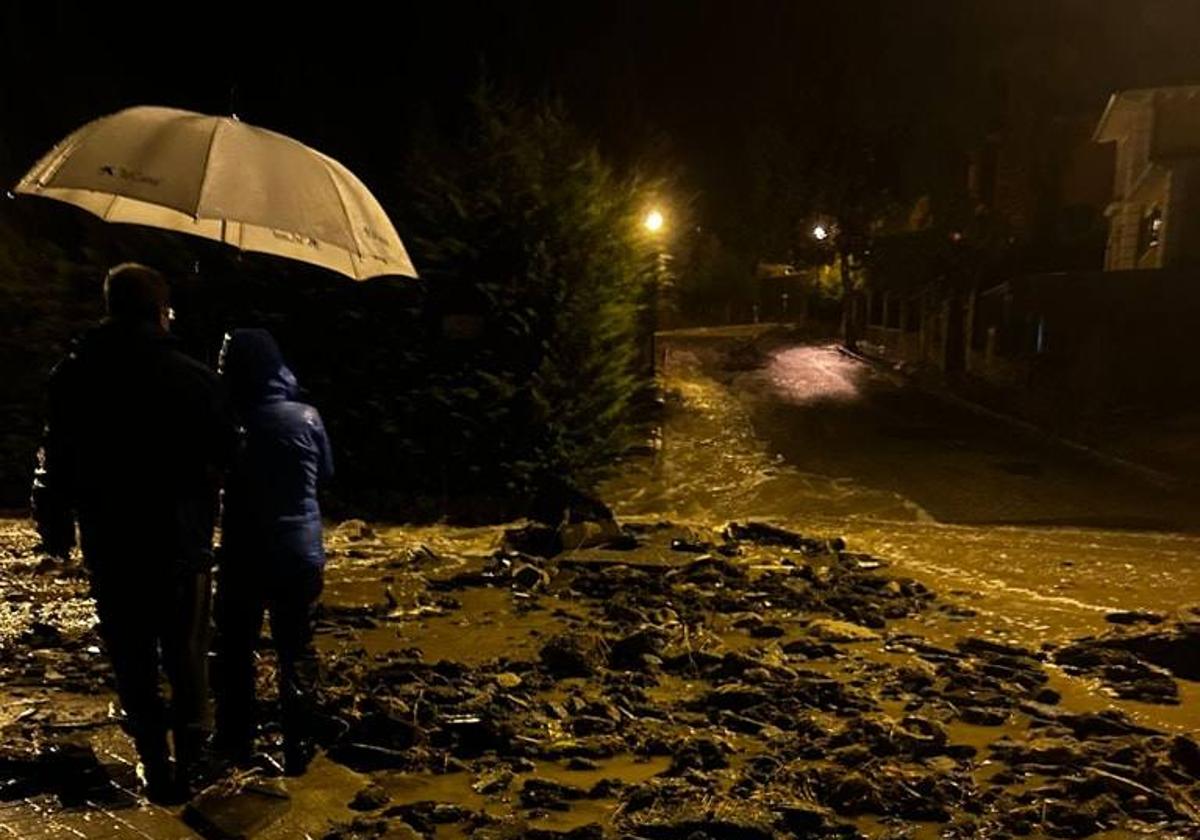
[1154, 213]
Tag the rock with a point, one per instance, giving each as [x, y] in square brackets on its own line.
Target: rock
[508, 680]
[833, 630]
[922, 736]
[689, 814]
[1052, 751]
[535, 539]
[1108, 723]
[736, 697]
[1173, 649]
[239, 812]
[1118, 661]
[585, 725]
[1047, 696]
[700, 754]
[546, 793]
[690, 546]
[573, 654]
[529, 577]
[740, 723]
[983, 715]
[354, 530]
[590, 534]
[426, 816]
[851, 755]
[493, 782]
[853, 793]
[607, 788]
[421, 557]
[801, 819]
[1046, 755]
[1134, 617]
[371, 798]
[631, 650]
[988, 647]
[707, 569]
[767, 631]
[810, 649]
[1185, 753]
[764, 534]
[580, 763]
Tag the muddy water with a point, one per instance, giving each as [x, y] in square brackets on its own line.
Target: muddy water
[724, 455]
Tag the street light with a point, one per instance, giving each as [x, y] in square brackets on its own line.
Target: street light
[653, 221]
[820, 233]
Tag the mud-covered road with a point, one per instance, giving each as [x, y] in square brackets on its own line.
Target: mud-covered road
[694, 680]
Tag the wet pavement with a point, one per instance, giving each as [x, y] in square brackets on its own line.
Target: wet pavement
[681, 686]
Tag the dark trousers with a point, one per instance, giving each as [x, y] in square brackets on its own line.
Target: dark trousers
[290, 597]
[150, 618]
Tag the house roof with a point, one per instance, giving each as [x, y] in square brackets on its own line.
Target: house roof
[1125, 104]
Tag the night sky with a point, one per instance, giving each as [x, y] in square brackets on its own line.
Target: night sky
[686, 85]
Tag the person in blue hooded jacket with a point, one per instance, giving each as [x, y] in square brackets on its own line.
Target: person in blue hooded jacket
[271, 558]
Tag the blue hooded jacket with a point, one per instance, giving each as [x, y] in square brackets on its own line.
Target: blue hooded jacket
[271, 514]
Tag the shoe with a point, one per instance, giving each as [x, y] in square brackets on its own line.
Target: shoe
[297, 755]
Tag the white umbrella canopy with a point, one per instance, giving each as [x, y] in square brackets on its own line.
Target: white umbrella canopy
[219, 178]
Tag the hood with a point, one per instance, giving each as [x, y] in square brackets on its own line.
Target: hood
[254, 370]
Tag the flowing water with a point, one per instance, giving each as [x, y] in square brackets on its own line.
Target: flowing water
[1038, 541]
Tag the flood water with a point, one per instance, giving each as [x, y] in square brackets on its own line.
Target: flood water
[1039, 541]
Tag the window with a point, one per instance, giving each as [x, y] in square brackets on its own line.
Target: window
[1150, 234]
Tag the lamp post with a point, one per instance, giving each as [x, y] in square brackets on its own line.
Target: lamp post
[835, 235]
[654, 223]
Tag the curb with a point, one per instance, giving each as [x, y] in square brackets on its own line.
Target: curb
[1166, 481]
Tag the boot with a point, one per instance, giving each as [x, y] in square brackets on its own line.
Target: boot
[159, 782]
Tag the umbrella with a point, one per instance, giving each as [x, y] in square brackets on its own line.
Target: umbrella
[222, 179]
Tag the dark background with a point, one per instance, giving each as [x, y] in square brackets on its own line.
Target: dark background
[689, 86]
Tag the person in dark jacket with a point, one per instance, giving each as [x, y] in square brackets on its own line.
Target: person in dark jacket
[137, 436]
[271, 558]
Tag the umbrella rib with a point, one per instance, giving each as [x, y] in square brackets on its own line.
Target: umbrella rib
[345, 209]
[108, 210]
[212, 141]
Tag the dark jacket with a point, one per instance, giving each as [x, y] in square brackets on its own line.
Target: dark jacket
[271, 512]
[137, 436]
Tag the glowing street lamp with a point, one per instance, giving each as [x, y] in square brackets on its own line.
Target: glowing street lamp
[820, 233]
[653, 221]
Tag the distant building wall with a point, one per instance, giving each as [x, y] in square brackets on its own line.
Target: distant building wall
[1059, 348]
